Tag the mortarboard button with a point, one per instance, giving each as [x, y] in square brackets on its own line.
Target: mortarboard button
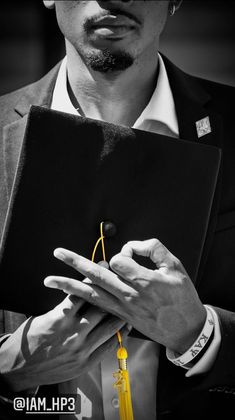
[109, 229]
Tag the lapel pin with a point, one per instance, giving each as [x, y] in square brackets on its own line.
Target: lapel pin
[203, 127]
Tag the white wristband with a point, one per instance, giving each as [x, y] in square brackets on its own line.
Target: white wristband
[198, 344]
[206, 361]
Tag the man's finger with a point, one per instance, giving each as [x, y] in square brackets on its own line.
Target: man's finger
[99, 275]
[88, 292]
[130, 270]
[151, 248]
[71, 287]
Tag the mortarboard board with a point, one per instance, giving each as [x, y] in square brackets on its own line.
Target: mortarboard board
[74, 173]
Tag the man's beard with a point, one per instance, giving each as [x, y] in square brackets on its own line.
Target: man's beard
[106, 61]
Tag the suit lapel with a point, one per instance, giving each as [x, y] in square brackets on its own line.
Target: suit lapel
[12, 137]
[39, 94]
[193, 103]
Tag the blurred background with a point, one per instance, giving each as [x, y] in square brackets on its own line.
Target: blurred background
[200, 39]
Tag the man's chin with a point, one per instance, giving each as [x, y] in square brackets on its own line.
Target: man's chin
[106, 61]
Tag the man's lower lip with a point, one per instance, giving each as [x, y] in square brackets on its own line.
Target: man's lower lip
[113, 31]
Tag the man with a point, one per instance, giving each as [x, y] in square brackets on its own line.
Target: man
[113, 73]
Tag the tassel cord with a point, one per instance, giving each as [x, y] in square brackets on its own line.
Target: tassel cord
[122, 383]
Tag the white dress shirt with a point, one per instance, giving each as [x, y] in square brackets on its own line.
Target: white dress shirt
[98, 397]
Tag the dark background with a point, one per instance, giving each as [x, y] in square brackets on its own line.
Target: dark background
[200, 39]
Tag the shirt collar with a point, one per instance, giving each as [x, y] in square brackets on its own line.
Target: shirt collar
[60, 99]
[161, 107]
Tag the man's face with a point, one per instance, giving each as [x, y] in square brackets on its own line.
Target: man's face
[126, 30]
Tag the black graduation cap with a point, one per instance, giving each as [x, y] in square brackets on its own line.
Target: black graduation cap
[76, 172]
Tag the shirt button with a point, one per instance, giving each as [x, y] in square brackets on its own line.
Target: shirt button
[115, 402]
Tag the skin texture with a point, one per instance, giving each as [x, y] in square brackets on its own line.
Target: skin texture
[59, 345]
[145, 24]
[162, 303]
[115, 96]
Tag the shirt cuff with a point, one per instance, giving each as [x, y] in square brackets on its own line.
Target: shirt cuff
[205, 363]
[8, 398]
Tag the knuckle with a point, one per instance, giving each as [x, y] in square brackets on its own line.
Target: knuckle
[130, 297]
[133, 277]
[94, 273]
[92, 296]
[147, 276]
[143, 284]
[175, 263]
[72, 260]
[155, 242]
[67, 286]
[156, 249]
[128, 246]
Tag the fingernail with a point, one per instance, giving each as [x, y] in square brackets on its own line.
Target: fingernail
[59, 254]
[49, 282]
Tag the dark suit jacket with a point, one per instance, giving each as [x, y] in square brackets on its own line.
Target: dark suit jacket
[178, 397]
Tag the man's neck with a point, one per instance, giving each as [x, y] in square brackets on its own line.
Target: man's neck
[114, 97]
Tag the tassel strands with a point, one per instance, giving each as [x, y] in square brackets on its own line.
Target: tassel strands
[122, 383]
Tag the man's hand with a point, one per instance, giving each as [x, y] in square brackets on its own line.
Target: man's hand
[162, 303]
[58, 346]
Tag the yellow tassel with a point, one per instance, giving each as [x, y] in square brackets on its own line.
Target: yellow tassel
[122, 383]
